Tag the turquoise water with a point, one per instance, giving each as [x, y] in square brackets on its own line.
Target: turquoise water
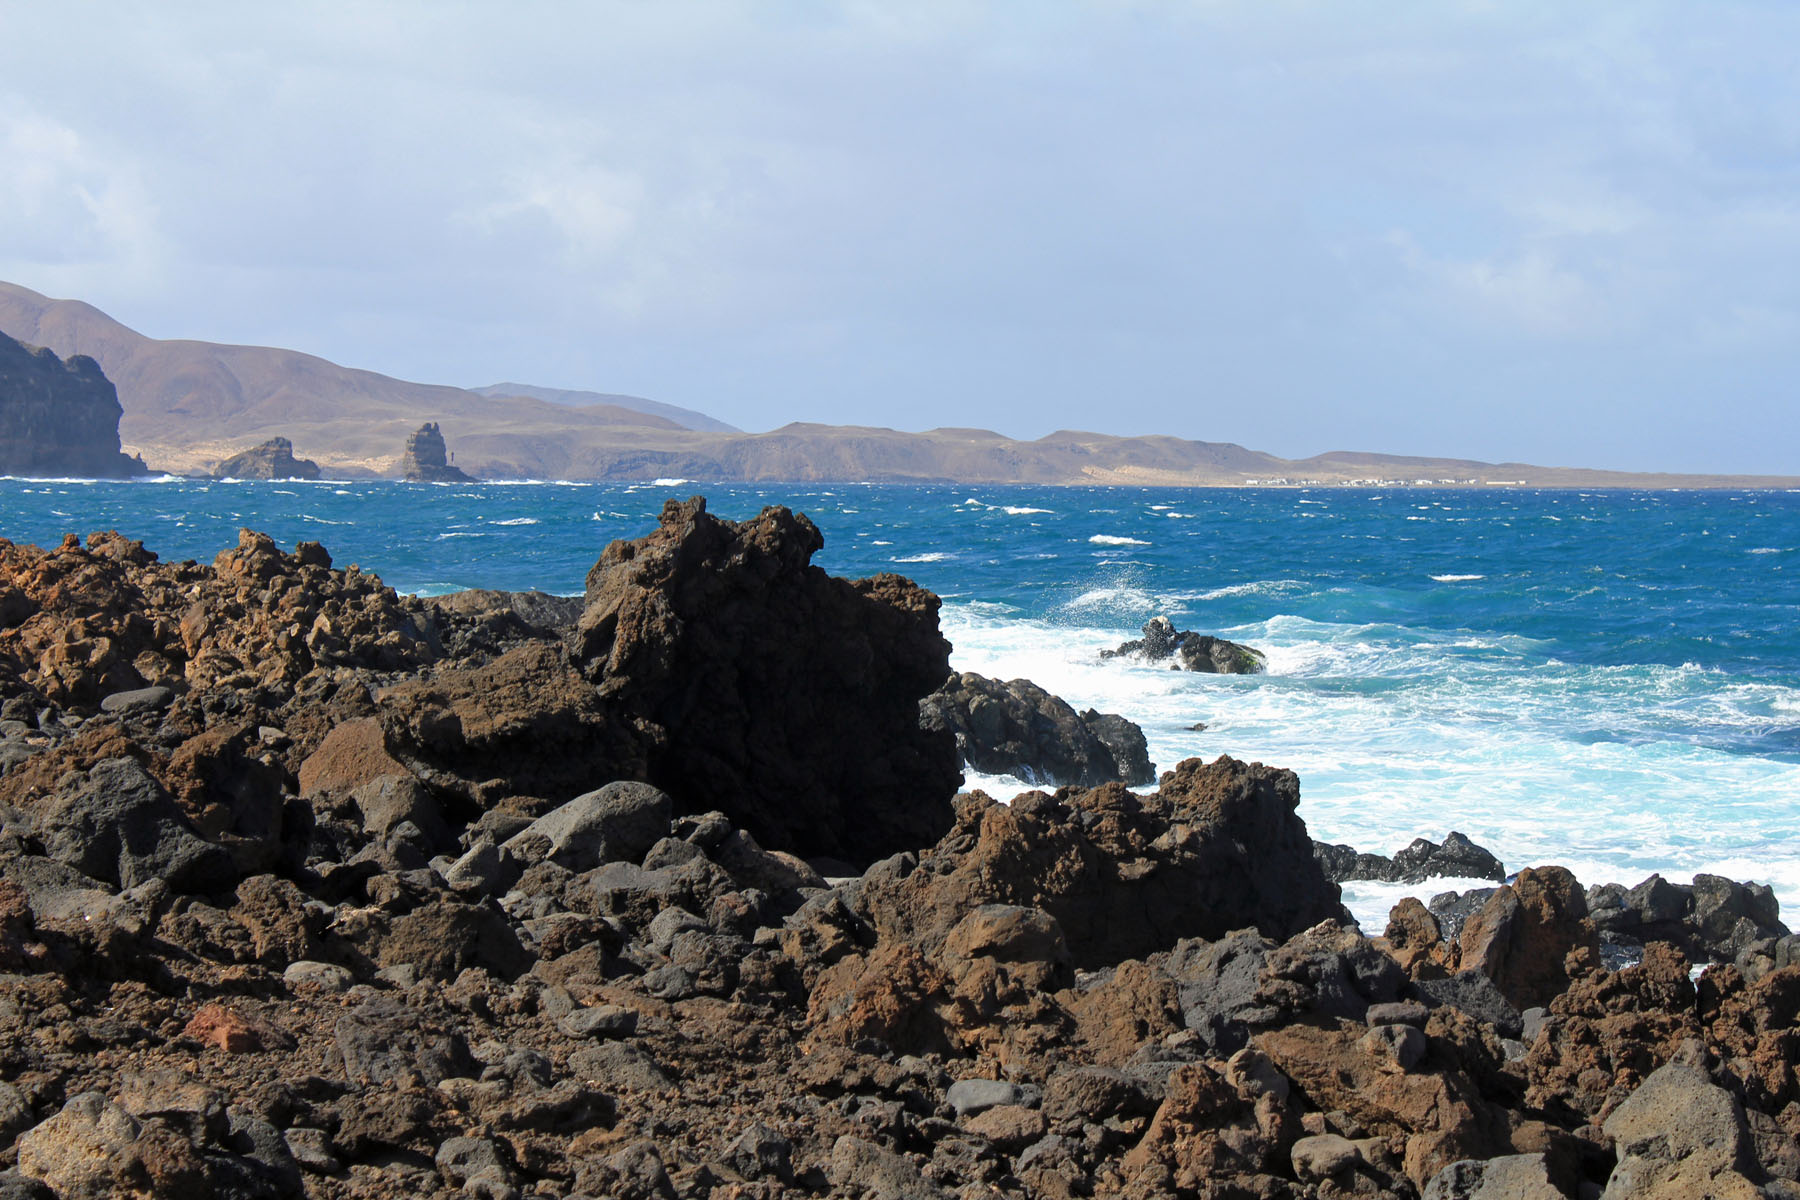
[1606, 680]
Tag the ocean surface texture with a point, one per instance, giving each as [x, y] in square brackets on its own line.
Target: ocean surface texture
[1607, 680]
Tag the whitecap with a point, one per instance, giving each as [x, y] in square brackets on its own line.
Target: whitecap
[1016, 510]
[1768, 550]
[519, 521]
[928, 557]
[1457, 578]
[1108, 539]
[669, 482]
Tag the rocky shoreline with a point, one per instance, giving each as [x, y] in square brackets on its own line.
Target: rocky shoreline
[308, 888]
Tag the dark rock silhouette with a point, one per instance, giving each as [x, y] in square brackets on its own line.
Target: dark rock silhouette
[274, 459]
[1189, 651]
[764, 687]
[427, 458]
[1457, 857]
[59, 417]
[1017, 728]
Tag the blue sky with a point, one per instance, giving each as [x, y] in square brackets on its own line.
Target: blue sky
[1555, 233]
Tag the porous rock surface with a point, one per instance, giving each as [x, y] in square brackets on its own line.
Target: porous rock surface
[275, 935]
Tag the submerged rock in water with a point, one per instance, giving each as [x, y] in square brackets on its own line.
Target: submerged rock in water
[1017, 728]
[1189, 651]
[1456, 858]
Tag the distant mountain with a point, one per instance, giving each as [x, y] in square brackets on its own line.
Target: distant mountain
[687, 418]
[190, 405]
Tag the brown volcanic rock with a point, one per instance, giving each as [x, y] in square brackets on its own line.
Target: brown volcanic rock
[767, 688]
[1217, 848]
[57, 417]
[1523, 933]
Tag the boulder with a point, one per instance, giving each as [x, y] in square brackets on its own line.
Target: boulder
[1188, 651]
[1017, 728]
[1508, 1177]
[616, 823]
[1523, 933]
[1218, 847]
[1680, 1135]
[770, 690]
[118, 825]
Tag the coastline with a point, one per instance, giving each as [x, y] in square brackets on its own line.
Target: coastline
[382, 925]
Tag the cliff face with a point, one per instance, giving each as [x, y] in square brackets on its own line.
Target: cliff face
[57, 417]
[274, 459]
[427, 458]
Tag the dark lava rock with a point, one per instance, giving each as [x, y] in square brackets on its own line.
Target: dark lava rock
[1456, 858]
[1189, 651]
[766, 688]
[118, 825]
[427, 458]
[274, 459]
[1017, 728]
[1217, 848]
[59, 418]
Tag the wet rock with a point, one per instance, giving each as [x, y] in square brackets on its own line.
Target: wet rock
[1017, 728]
[1162, 642]
[1456, 858]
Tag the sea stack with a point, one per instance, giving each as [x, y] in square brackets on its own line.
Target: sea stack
[59, 417]
[427, 460]
[274, 459]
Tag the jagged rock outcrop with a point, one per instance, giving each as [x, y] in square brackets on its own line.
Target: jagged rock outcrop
[274, 459]
[1456, 858]
[427, 458]
[59, 417]
[1217, 847]
[1017, 728]
[763, 686]
[1189, 651]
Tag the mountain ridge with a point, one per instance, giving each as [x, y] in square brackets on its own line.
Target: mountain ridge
[191, 404]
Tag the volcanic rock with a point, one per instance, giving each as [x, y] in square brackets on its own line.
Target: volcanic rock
[59, 418]
[1456, 858]
[770, 690]
[1017, 728]
[1218, 847]
[427, 459]
[1189, 651]
[274, 459]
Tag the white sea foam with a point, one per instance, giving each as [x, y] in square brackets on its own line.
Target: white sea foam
[1019, 510]
[930, 556]
[1457, 578]
[1396, 733]
[518, 521]
[669, 482]
[1769, 550]
[1109, 539]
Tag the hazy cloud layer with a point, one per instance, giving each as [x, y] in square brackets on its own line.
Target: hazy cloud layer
[1549, 232]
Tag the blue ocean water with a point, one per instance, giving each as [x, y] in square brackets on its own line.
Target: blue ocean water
[1608, 680]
